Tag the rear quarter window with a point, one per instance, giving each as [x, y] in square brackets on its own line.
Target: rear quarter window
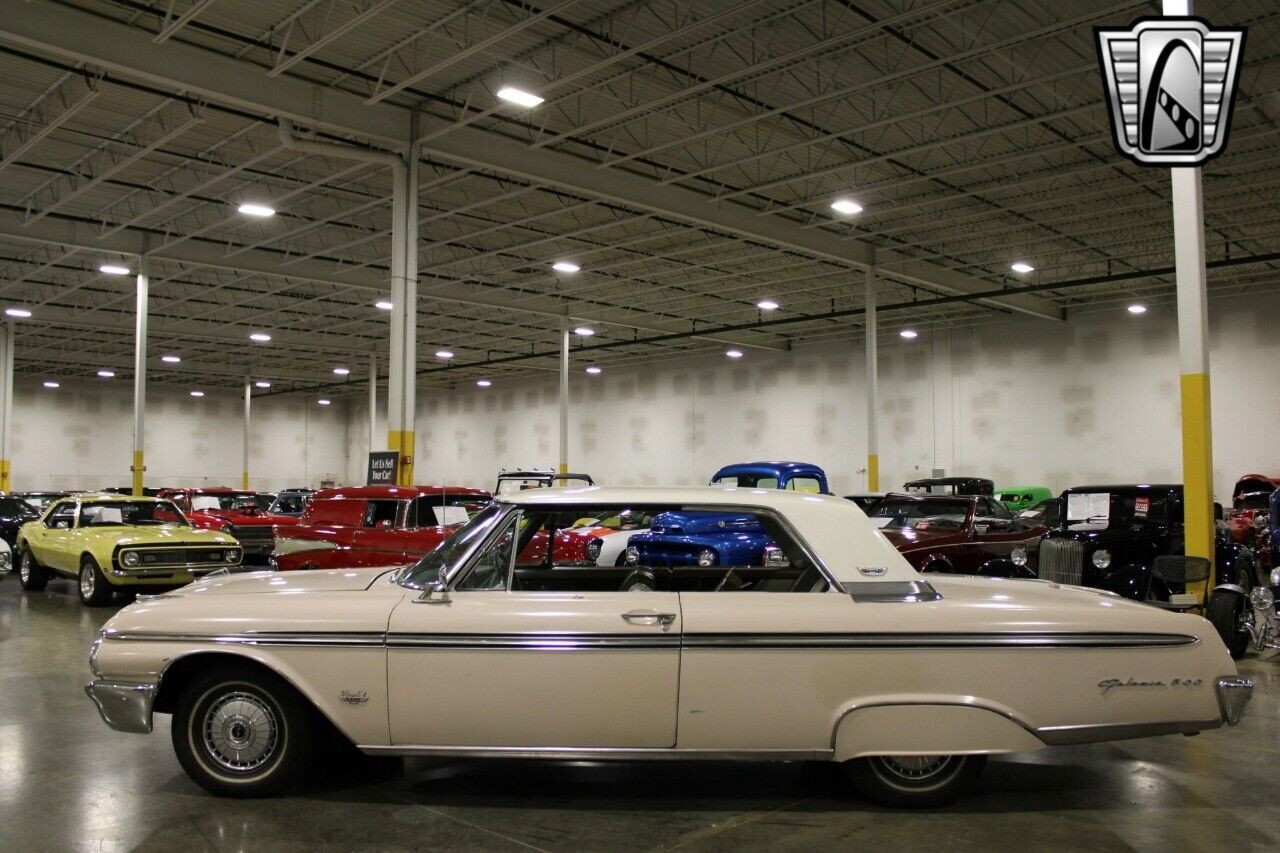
[335, 511]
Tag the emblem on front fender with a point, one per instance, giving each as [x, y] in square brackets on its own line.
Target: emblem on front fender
[353, 697]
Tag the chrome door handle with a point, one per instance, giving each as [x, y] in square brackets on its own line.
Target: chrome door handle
[649, 617]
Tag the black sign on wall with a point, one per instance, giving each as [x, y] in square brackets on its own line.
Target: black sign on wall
[383, 466]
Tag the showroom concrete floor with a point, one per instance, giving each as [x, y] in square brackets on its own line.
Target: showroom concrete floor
[67, 782]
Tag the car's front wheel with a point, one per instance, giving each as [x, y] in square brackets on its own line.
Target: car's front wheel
[31, 574]
[95, 589]
[239, 732]
[1228, 612]
[915, 781]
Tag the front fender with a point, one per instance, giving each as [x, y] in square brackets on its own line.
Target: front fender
[1230, 557]
[1003, 567]
[1130, 581]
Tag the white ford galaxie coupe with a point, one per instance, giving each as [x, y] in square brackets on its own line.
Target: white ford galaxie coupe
[835, 650]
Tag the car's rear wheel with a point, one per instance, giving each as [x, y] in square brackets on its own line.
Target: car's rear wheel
[915, 781]
[95, 589]
[239, 732]
[31, 574]
[1227, 612]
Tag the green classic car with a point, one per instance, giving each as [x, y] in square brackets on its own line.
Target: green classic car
[115, 543]
[1018, 498]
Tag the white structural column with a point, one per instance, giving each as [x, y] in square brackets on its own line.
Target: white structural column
[873, 384]
[6, 406]
[244, 465]
[373, 401]
[564, 394]
[140, 375]
[403, 369]
[1193, 350]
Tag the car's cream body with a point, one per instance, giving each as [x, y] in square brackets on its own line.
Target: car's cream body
[985, 666]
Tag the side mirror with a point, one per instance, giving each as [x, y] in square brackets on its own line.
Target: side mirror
[774, 558]
[436, 591]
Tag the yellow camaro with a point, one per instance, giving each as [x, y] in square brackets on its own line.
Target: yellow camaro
[116, 543]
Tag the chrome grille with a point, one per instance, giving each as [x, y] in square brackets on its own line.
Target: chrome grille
[1061, 561]
[253, 535]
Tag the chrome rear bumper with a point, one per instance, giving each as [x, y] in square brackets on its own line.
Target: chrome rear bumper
[124, 707]
[1234, 692]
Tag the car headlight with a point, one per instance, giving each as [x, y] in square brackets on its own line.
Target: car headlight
[1262, 598]
[707, 558]
[231, 555]
[593, 549]
[633, 555]
[1275, 577]
[1018, 556]
[5, 558]
[1101, 558]
[130, 558]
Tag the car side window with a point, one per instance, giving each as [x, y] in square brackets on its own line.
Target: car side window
[804, 484]
[381, 514]
[492, 567]
[61, 517]
[422, 514]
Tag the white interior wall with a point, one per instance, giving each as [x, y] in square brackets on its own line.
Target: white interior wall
[80, 436]
[1024, 402]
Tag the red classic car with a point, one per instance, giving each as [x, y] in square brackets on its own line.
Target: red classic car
[364, 526]
[1250, 500]
[958, 534]
[233, 511]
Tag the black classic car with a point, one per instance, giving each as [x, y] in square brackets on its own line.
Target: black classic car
[14, 512]
[1108, 537]
[951, 486]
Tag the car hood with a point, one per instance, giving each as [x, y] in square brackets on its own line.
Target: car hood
[697, 523]
[269, 582]
[911, 540]
[244, 519]
[164, 535]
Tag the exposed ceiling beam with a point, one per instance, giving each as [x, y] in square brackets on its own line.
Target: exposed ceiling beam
[66, 232]
[84, 37]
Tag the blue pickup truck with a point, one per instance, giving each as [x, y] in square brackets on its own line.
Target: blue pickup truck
[724, 539]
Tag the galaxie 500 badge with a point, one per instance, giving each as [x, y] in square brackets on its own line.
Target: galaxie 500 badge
[1170, 84]
[1106, 685]
[873, 571]
[353, 697]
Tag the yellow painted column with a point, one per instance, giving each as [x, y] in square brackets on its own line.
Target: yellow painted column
[873, 473]
[5, 484]
[140, 376]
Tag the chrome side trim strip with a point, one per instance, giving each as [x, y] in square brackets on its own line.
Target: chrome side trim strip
[1095, 733]
[1090, 640]
[283, 638]
[600, 753]
[546, 642]
[890, 592]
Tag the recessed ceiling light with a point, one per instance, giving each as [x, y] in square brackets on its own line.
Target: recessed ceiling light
[113, 269]
[595, 370]
[443, 353]
[342, 371]
[262, 383]
[909, 334]
[1022, 267]
[767, 305]
[483, 383]
[519, 96]
[565, 266]
[383, 305]
[17, 312]
[258, 210]
[197, 393]
[323, 402]
[733, 353]
[260, 337]
[847, 206]
[171, 359]
[584, 331]
[51, 384]
[1137, 308]
[107, 374]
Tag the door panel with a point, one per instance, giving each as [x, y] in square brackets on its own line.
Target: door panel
[493, 668]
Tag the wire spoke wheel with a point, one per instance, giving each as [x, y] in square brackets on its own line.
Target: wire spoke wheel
[87, 582]
[240, 732]
[915, 770]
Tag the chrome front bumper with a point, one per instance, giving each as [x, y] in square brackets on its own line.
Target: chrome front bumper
[1234, 692]
[124, 707]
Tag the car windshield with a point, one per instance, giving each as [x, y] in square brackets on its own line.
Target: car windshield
[17, 507]
[1253, 500]
[117, 513]
[290, 504]
[747, 481]
[920, 515]
[446, 554]
[231, 501]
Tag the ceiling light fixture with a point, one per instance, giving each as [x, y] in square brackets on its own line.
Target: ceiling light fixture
[262, 383]
[51, 384]
[847, 206]
[733, 353]
[1022, 267]
[909, 334]
[520, 97]
[595, 370]
[584, 331]
[443, 353]
[383, 305]
[767, 305]
[260, 337]
[342, 371]
[21, 313]
[113, 269]
[1137, 308]
[261, 211]
[107, 374]
[170, 359]
[197, 393]
[323, 402]
[483, 383]
[565, 266]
